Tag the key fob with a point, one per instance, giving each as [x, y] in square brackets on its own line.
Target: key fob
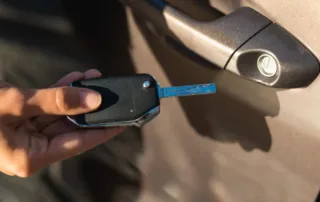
[126, 101]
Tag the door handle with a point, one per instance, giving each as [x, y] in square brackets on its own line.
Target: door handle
[243, 42]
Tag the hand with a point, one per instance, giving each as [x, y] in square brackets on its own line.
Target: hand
[34, 131]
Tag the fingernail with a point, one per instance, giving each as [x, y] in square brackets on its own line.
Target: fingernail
[90, 99]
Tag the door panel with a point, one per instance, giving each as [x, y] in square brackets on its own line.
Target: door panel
[247, 142]
[243, 42]
[298, 109]
[300, 18]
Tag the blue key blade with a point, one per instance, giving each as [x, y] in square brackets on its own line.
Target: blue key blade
[177, 91]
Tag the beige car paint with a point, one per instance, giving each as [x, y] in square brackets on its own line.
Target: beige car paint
[247, 143]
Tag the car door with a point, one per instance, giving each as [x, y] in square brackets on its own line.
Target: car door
[257, 138]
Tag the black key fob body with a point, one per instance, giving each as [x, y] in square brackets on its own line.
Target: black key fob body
[126, 101]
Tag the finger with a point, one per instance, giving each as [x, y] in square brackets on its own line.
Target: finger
[74, 76]
[69, 78]
[7, 172]
[43, 121]
[59, 127]
[92, 73]
[60, 101]
[71, 144]
[15, 97]
[4, 169]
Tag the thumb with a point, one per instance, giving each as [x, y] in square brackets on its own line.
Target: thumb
[61, 101]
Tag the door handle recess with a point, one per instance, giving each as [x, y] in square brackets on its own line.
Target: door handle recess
[243, 42]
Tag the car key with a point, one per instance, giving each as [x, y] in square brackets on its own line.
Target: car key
[130, 100]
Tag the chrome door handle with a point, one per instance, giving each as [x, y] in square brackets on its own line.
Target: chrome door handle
[244, 42]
